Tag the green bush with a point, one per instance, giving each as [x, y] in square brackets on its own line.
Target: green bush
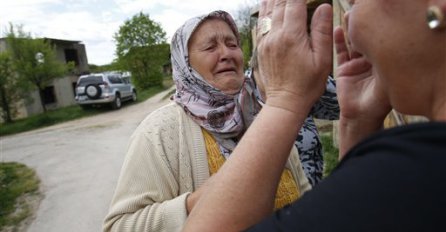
[330, 153]
[15, 181]
[146, 65]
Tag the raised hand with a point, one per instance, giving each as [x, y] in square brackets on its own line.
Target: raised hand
[293, 63]
[362, 98]
[295, 67]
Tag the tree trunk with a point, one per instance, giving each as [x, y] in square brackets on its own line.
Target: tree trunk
[42, 102]
[5, 106]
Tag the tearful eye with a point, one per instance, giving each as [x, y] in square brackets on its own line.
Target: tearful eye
[210, 48]
[232, 45]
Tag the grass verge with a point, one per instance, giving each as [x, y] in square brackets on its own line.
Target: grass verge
[16, 180]
[64, 114]
[330, 153]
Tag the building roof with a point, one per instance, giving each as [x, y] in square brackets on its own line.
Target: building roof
[53, 40]
[61, 40]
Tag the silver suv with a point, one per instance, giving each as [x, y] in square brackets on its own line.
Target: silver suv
[104, 88]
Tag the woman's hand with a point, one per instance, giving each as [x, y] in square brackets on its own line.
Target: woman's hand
[362, 99]
[293, 64]
[192, 199]
[296, 68]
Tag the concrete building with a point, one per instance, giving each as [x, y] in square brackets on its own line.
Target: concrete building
[61, 91]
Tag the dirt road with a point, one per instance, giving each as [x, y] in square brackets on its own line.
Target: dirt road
[78, 163]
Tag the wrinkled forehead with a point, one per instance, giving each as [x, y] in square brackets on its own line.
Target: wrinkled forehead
[211, 30]
[190, 26]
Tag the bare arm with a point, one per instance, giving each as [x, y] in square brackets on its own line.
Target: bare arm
[235, 188]
[351, 132]
[243, 190]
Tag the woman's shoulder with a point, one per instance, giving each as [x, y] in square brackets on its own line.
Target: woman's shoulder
[163, 118]
[171, 110]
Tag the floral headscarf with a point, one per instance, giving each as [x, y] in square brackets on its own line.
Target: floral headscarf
[225, 116]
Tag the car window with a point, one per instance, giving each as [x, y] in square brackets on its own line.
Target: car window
[115, 79]
[125, 80]
[90, 80]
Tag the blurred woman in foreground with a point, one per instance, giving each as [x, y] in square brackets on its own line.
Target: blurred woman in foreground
[388, 180]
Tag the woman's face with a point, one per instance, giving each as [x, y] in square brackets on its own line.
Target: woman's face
[215, 54]
[393, 35]
[385, 29]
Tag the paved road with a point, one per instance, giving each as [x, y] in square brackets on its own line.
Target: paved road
[78, 163]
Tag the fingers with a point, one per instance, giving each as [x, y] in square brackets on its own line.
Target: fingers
[262, 14]
[341, 47]
[277, 14]
[266, 9]
[322, 35]
[262, 10]
[354, 67]
[269, 7]
[355, 54]
[295, 17]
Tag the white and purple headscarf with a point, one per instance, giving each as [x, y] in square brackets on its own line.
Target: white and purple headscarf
[225, 116]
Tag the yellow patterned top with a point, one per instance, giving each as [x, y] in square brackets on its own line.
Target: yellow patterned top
[287, 192]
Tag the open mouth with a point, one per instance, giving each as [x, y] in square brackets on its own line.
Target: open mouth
[226, 70]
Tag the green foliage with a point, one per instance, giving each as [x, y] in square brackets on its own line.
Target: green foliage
[141, 48]
[145, 94]
[330, 153]
[139, 31]
[64, 114]
[104, 68]
[15, 181]
[35, 60]
[245, 23]
[11, 89]
[146, 65]
[47, 119]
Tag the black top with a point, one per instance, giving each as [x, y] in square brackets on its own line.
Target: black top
[392, 181]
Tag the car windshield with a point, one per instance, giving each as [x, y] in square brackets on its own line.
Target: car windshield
[90, 80]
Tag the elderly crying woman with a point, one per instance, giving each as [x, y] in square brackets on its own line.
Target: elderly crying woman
[177, 148]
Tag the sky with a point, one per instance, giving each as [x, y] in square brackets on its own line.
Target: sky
[94, 22]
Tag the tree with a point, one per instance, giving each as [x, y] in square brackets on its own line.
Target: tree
[35, 60]
[11, 89]
[102, 68]
[245, 23]
[146, 64]
[139, 31]
[137, 49]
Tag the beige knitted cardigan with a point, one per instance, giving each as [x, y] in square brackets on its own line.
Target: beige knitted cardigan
[166, 160]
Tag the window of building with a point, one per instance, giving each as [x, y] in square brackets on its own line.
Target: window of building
[73, 85]
[71, 55]
[48, 95]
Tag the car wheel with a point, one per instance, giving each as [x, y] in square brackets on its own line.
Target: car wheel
[134, 95]
[117, 102]
[93, 91]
